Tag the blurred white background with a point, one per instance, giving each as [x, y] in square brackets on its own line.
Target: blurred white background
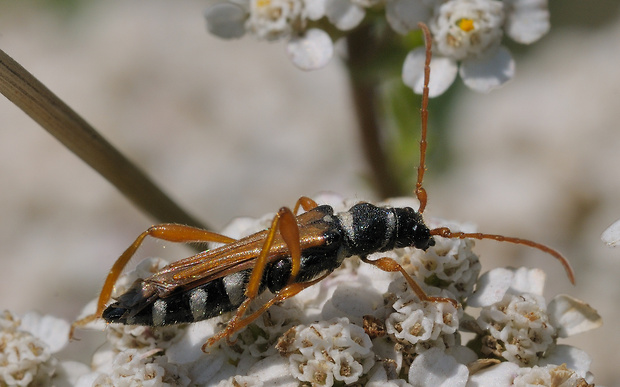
[233, 129]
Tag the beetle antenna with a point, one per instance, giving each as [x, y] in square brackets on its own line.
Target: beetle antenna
[446, 233]
[420, 192]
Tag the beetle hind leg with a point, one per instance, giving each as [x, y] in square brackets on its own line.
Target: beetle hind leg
[239, 322]
[170, 232]
[286, 223]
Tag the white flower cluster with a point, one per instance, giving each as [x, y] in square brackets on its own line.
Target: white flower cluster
[465, 31]
[550, 375]
[450, 265]
[518, 328]
[510, 374]
[424, 323]
[26, 349]
[470, 32]
[24, 358]
[267, 330]
[328, 351]
[360, 325]
[517, 325]
[133, 367]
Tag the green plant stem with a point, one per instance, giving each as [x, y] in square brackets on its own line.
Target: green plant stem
[49, 111]
[362, 51]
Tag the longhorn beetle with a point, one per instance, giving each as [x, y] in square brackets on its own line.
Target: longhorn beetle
[296, 252]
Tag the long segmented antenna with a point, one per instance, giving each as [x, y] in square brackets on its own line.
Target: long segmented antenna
[446, 233]
[420, 192]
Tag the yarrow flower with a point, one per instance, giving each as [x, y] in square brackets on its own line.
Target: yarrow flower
[424, 324]
[518, 328]
[467, 33]
[27, 349]
[308, 49]
[517, 325]
[363, 326]
[329, 351]
[510, 374]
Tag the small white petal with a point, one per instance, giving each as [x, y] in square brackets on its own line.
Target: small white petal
[314, 9]
[71, 371]
[195, 336]
[378, 378]
[433, 368]
[527, 20]
[492, 286]
[489, 71]
[571, 316]
[274, 370]
[310, 51]
[87, 380]
[611, 236]
[344, 14]
[52, 330]
[404, 15]
[528, 281]
[574, 358]
[498, 375]
[463, 355]
[226, 20]
[443, 72]
[353, 301]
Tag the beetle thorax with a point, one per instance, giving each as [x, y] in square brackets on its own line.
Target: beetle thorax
[369, 229]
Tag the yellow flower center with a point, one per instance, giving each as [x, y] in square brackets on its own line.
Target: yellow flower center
[263, 3]
[466, 24]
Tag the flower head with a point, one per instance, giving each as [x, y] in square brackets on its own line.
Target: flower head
[468, 36]
[271, 19]
[467, 28]
[27, 349]
[467, 33]
[519, 326]
[329, 351]
[308, 48]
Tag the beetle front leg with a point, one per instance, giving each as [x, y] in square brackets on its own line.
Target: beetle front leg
[390, 265]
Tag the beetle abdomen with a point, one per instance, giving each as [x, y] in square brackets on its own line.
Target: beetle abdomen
[209, 300]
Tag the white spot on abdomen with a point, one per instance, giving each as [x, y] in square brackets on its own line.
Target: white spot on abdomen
[198, 304]
[346, 221]
[159, 312]
[235, 287]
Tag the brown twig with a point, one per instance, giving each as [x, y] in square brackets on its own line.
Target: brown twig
[49, 111]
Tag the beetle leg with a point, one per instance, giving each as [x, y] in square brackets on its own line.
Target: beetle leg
[237, 322]
[169, 232]
[306, 203]
[390, 265]
[253, 285]
[284, 215]
[285, 222]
